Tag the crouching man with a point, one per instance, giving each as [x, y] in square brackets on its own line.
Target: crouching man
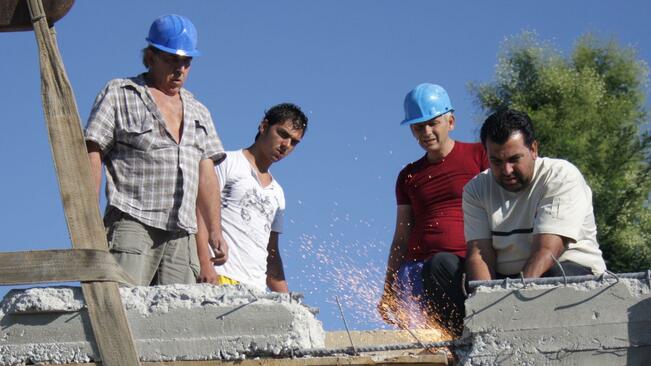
[527, 212]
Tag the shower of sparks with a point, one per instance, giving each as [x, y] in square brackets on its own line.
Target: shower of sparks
[354, 271]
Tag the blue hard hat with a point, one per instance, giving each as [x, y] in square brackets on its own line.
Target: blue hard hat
[424, 102]
[174, 34]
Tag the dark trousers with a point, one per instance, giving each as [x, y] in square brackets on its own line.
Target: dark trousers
[442, 279]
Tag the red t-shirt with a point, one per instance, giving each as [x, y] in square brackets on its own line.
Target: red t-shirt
[434, 192]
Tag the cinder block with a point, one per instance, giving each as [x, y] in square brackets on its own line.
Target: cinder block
[601, 322]
[169, 323]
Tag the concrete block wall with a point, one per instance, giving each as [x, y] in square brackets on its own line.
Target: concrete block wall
[598, 322]
[169, 323]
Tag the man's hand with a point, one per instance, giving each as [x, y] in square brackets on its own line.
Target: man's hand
[219, 248]
[207, 260]
[207, 273]
[388, 305]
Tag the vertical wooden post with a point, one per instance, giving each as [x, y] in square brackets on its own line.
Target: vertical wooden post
[107, 315]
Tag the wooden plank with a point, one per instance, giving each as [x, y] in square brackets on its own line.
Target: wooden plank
[81, 207]
[60, 265]
[14, 14]
[339, 339]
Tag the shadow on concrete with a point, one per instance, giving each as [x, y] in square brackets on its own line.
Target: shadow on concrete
[515, 293]
[639, 333]
[587, 298]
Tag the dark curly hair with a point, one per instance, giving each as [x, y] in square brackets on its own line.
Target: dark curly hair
[500, 125]
[286, 112]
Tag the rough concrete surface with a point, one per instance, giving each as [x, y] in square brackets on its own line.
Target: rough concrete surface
[169, 323]
[605, 322]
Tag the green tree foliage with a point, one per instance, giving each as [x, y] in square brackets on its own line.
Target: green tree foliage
[587, 108]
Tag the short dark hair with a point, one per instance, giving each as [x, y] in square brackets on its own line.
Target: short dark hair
[500, 125]
[283, 112]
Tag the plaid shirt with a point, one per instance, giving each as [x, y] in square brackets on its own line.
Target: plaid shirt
[148, 175]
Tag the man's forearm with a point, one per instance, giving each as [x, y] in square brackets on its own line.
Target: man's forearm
[209, 208]
[209, 198]
[545, 248]
[203, 250]
[277, 285]
[477, 270]
[396, 258]
[276, 274]
[399, 243]
[275, 271]
[481, 260]
[539, 263]
[95, 160]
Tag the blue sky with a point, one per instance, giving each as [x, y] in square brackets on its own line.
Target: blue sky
[348, 64]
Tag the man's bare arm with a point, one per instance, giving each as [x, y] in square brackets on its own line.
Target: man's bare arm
[397, 253]
[275, 272]
[207, 273]
[480, 260]
[544, 246]
[95, 159]
[209, 208]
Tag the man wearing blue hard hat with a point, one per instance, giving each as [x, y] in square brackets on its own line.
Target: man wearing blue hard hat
[426, 261]
[159, 148]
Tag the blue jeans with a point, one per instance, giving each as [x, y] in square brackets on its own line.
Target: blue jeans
[431, 289]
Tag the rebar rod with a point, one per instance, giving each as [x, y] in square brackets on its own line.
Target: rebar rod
[320, 352]
[560, 280]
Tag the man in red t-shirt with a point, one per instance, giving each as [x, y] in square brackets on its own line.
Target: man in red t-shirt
[426, 260]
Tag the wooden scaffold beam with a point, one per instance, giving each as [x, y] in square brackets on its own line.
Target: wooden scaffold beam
[89, 261]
